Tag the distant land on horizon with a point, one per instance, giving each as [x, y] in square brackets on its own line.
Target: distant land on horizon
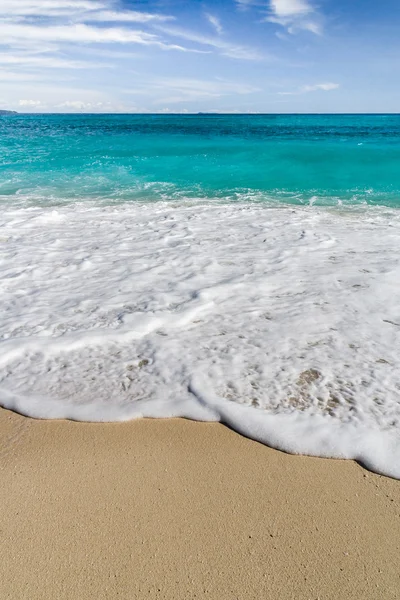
[8, 112]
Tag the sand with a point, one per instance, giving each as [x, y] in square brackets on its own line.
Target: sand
[174, 509]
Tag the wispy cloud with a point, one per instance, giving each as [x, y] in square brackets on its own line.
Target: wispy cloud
[326, 87]
[47, 62]
[79, 33]
[32, 23]
[215, 22]
[48, 8]
[126, 16]
[225, 47]
[304, 89]
[171, 90]
[245, 4]
[295, 15]
[78, 10]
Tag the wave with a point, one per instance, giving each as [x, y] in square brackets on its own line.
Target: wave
[280, 321]
[157, 192]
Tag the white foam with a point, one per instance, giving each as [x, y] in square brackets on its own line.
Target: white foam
[282, 322]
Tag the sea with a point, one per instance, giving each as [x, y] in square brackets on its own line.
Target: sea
[233, 268]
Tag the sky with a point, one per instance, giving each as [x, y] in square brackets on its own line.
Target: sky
[176, 56]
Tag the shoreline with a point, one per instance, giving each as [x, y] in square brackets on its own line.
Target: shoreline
[177, 509]
[152, 313]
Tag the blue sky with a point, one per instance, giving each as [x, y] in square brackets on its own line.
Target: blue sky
[188, 56]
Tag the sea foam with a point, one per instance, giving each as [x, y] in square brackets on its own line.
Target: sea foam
[282, 322]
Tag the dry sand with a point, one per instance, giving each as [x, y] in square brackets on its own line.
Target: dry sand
[177, 510]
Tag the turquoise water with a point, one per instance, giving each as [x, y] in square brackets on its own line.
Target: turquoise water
[318, 159]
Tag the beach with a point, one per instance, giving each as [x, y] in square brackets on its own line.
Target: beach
[176, 509]
[200, 322]
[199, 300]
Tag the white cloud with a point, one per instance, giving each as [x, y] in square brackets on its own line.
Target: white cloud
[127, 16]
[79, 10]
[291, 8]
[78, 33]
[295, 15]
[175, 90]
[21, 35]
[241, 53]
[24, 23]
[101, 107]
[215, 22]
[226, 48]
[29, 23]
[304, 89]
[46, 62]
[30, 103]
[326, 87]
[48, 8]
[79, 104]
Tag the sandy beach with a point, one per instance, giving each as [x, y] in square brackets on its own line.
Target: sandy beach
[200, 300]
[176, 509]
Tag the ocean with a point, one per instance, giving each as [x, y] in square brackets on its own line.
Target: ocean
[234, 268]
[297, 159]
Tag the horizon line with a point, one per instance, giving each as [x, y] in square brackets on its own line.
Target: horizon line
[197, 113]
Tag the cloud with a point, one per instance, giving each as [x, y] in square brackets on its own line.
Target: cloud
[45, 7]
[29, 23]
[295, 15]
[245, 4]
[225, 48]
[30, 103]
[101, 107]
[79, 33]
[290, 8]
[79, 104]
[326, 87]
[304, 89]
[79, 10]
[66, 25]
[47, 62]
[82, 34]
[127, 16]
[175, 90]
[215, 22]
